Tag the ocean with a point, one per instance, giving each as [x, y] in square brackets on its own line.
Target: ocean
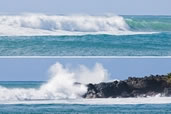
[84, 35]
[13, 102]
[85, 109]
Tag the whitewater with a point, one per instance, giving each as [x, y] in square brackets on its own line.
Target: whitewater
[61, 85]
[42, 24]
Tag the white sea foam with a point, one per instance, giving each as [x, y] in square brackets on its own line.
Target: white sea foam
[61, 84]
[41, 24]
[99, 101]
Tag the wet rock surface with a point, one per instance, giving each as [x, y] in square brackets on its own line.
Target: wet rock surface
[132, 87]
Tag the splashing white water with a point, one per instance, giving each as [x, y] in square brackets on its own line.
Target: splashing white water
[41, 24]
[95, 75]
[60, 86]
[98, 101]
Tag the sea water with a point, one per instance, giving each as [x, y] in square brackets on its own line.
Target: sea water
[84, 109]
[84, 35]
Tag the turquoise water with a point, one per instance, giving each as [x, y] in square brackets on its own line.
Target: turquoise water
[87, 45]
[21, 84]
[85, 109]
[149, 23]
[130, 36]
[75, 106]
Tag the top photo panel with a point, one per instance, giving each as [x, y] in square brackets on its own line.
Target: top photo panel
[85, 28]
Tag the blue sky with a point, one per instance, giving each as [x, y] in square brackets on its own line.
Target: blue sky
[123, 7]
[37, 69]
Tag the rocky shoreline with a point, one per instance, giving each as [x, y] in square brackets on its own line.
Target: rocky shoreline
[132, 87]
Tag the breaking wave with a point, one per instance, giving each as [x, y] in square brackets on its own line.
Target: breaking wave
[150, 24]
[61, 85]
[41, 24]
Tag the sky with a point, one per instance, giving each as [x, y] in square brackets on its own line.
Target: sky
[36, 69]
[120, 7]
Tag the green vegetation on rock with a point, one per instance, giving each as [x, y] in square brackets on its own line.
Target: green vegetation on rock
[169, 77]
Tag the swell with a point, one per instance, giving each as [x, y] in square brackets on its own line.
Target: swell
[149, 23]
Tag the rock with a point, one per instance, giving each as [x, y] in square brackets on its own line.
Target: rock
[132, 87]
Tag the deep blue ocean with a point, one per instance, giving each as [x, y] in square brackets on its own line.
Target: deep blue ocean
[80, 36]
[77, 106]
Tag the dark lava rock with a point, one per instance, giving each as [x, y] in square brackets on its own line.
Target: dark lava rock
[132, 87]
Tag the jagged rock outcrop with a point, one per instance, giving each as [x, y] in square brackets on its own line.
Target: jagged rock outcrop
[132, 87]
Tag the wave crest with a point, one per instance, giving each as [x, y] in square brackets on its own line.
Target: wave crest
[41, 24]
[159, 24]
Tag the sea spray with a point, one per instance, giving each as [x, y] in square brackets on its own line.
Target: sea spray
[94, 75]
[41, 24]
[61, 85]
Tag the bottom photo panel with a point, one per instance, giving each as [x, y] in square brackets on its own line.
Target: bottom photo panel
[85, 85]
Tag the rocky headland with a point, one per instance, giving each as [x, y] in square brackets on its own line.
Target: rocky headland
[132, 87]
